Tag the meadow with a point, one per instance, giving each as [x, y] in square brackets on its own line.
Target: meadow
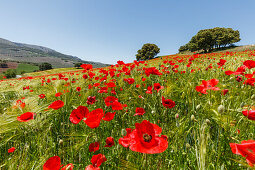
[172, 112]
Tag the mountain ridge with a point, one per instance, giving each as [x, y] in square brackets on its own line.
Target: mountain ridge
[21, 52]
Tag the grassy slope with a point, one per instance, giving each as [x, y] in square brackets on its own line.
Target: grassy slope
[52, 71]
[199, 143]
[26, 67]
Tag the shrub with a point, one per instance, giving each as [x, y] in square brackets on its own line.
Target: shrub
[10, 73]
[77, 65]
[45, 66]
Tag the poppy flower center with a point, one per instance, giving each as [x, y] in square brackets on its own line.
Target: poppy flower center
[147, 137]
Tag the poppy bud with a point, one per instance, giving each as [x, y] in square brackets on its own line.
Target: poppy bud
[221, 109]
[61, 142]
[192, 118]
[207, 121]
[198, 107]
[253, 97]
[26, 146]
[177, 116]
[123, 132]
[242, 104]
[187, 145]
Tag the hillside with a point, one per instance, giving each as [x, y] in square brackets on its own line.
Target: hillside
[173, 112]
[37, 54]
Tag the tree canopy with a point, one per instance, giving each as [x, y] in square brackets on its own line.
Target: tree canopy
[148, 51]
[45, 66]
[209, 39]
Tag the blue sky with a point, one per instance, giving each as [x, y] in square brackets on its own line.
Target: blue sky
[111, 30]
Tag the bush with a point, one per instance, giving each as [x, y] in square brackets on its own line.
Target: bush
[10, 73]
[22, 72]
[45, 66]
[148, 51]
[77, 65]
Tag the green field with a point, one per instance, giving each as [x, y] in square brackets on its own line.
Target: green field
[26, 67]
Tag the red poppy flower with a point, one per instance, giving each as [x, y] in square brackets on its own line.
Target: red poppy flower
[68, 167]
[93, 147]
[250, 81]
[250, 114]
[78, 114]
[54, 163]
[149, 90]
[158, 87]
[109, 116]
[91, 74]
[91, 100]
[246, 149]
[168, 103]
[241, 69]
[94, 118]
[78, 89]
[58, 94]
[110, 84]
[86, 66]
[110, 100]
[249, 63]
[224, 91]
[129, 80]
[207, 85]
[222, 62]
[145, 138]
[103, 90]
[120, 62]
[139, 111]
[96, 161]
[238, 78]
[109, 142]
[22, 105]
[42, 96]
[152, 70]
[11, 150]
[113, 92]
[56, 105]
[25, 117]
[85, 76]
[96, 84]
[117, 106]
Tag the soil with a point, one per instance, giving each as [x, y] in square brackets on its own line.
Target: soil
[11, 65]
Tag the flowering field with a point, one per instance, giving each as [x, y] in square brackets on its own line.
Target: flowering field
[174, 112]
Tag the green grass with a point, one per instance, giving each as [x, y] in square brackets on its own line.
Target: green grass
[51, 71]
[198, 139]
[26, 67]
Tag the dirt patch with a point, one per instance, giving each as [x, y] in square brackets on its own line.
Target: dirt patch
[11, 65]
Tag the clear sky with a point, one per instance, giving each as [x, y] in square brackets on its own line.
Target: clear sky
[112, 30]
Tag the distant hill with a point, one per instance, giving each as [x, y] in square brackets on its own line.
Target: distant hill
[13, 51]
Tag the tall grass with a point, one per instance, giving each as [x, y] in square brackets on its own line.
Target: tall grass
[198, 137]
